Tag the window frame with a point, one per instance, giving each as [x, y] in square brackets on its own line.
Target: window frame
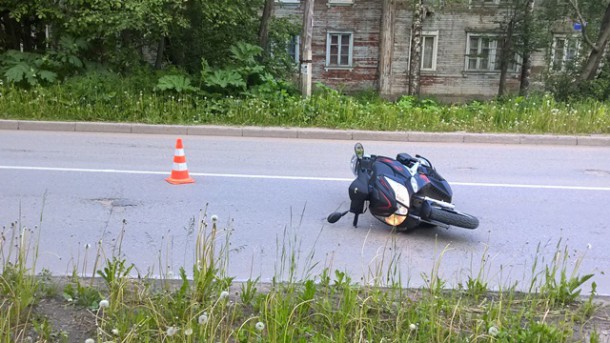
[350, 59]
[492, 58]
[295, 43]
[434, 35]
[339, 3]
[568, 41]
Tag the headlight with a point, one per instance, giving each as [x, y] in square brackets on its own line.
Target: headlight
[394, 219]
[401, 192]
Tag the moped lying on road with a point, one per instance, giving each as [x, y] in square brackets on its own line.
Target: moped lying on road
[406, 193]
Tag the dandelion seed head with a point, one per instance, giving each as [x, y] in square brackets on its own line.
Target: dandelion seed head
[104, 303]
[412, 327]
[493, 331]
[172, 330]
[203, 319]
[260, 326]
[89, 340]
[188, 331]
[214, 218]
[224, 295]
[115, 331]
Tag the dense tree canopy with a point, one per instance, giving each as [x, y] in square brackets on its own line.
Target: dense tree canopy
[124, 32]
[585, 75]
[46, 40]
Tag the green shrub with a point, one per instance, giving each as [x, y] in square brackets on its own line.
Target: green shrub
[27, 69]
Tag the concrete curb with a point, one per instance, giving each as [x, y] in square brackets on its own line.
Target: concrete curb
[307, 133]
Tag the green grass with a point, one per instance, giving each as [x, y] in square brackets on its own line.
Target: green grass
[325, 307]
[114, 101]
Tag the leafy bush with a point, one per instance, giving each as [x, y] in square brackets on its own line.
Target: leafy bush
[225, 81]
[26, 69]
[565, 86]
[243, 72]
[176, 83]
[273, 89]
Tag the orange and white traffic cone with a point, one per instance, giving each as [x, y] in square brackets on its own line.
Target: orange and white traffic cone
[180, 173]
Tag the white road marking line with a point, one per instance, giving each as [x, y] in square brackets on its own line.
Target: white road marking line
[509, 185]
[305, 178]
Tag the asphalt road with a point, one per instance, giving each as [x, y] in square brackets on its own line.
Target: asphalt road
[275, 193]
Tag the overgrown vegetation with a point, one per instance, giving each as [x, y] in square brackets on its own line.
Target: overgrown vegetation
[199, 62]
[46, 42]
[329, 307]
[101, 96]
[43, 42]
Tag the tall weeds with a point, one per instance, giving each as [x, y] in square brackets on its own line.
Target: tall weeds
[327, 108]
[302, 305]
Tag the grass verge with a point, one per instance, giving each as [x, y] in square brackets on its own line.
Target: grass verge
[122, 306]
[327, 108]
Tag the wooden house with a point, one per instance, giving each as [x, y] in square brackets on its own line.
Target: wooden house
[460, 47]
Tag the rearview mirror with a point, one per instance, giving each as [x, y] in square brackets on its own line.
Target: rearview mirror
[359, 150]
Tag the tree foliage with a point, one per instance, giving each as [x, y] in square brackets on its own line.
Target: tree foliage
[32, 69]
[125, 33]
[213, 27]
[584, 76]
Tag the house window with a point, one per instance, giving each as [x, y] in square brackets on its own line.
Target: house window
[339, 46]
[429, 50]
[484, 53]
[340, 2]
[288, 1]
[294, 47]
[564, 52]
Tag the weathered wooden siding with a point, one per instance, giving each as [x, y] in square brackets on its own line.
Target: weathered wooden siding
[450, 81]
[363, 19]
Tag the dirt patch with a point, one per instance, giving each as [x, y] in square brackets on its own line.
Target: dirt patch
[67, 320]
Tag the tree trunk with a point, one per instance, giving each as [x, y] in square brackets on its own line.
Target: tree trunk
[386, 45]
[589, 71]
[507, 54]
[526, 66]
[263, 31]
[416, 42]
[26, 35]
[11, 35]
[526, 71]
[160, 53]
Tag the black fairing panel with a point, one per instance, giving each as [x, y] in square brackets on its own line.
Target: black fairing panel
[382, 197]
[437, 188]
[359, 193]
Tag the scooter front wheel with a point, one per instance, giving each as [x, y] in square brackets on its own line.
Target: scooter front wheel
[454, 218]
